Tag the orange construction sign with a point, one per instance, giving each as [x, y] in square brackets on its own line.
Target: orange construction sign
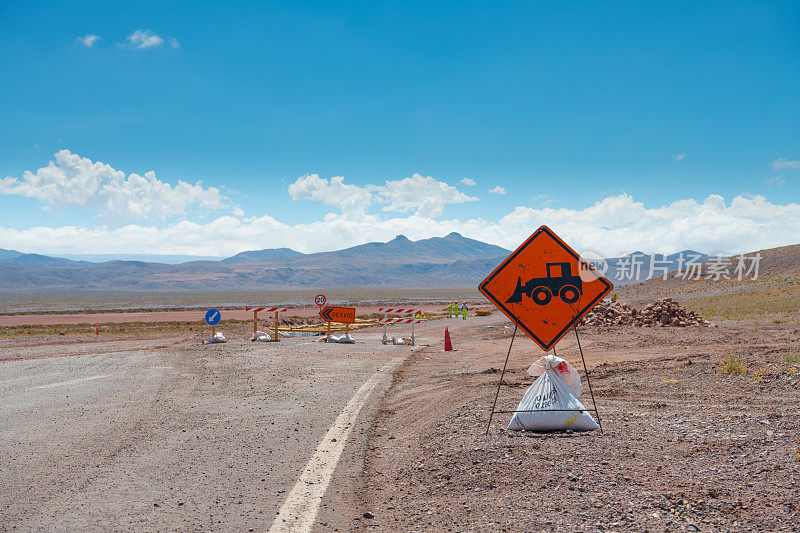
[545, 287]
[346, 315]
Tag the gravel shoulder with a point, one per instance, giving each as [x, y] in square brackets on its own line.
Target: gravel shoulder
[684, 447]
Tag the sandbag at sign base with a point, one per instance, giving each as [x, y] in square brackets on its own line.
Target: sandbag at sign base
[550, 392]
[260, 336]
[341, 339]
[217, 338]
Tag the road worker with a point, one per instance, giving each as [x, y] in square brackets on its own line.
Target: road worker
[463, 310]
[449, 309]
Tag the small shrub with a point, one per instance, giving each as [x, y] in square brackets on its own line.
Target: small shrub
[733, 364]
[793, 358]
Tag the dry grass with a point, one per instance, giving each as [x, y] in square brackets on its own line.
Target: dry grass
[758, 301]
[793, 358]
[84, 302]
[733, 364]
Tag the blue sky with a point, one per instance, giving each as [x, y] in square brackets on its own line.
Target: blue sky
[566, 106]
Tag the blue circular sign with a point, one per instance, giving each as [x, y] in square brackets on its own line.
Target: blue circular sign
[213, 317]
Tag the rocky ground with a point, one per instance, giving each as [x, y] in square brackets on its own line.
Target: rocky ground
[663, 312]
[684, 446]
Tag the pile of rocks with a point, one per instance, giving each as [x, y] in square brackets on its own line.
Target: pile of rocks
[665, 312]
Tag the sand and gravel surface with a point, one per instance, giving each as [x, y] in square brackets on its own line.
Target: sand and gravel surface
[158, 432]
[161, 433]
[684, 447]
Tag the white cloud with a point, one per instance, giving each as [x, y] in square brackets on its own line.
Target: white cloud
[173, 42]
[679, 157]
[544, 200]
[349, 199]
[77, 181]
[88, 40]
[782, 163]
[776, 181]
[467, 181]
[613, 226]
[141, 39]
[424, 195]
[498, 190]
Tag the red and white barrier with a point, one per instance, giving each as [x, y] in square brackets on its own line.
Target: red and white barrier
[275, 310]
[400, 320]
[267, 309]
[397, 310]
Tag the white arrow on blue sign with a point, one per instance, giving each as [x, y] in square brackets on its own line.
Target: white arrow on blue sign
[213, 317]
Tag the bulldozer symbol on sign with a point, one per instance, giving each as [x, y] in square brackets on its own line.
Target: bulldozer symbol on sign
[541, 290]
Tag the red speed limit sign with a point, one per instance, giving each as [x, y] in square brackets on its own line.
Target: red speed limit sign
[320, 299]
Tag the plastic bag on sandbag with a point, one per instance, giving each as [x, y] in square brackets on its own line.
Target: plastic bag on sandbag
[260, 336]
[342, 339]
[564, 370]
[549, 393]
[217, 338]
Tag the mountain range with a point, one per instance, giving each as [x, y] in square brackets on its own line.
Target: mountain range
[451, 261]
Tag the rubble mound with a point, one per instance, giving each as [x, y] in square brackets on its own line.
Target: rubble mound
[664, 312]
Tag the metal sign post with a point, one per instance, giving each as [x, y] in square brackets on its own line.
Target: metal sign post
[545, 288]
[213, 317]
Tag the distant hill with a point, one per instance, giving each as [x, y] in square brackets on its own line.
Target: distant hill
[451, 261]
[639, 266]
[271, 254]
[170, 259]
[770, 282]
[6, 255]
[43, 260]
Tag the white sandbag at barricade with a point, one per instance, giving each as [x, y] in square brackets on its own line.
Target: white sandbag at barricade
[560, 367]
[549, 392]
[217, 338]
[260, 336]
[342, 339]
[399, 341]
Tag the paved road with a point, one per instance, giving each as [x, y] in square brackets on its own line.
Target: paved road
[153, 435]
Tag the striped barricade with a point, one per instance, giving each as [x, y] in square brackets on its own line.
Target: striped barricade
[405, 311]
[275, 310]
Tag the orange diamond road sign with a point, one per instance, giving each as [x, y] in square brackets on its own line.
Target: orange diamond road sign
[339, 314]
[545, 287]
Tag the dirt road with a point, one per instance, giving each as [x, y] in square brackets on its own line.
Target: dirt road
[167, 434]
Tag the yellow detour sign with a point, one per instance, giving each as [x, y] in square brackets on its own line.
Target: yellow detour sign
[346, 315]
[545, 287]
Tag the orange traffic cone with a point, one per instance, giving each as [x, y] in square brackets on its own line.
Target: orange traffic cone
[448, 346]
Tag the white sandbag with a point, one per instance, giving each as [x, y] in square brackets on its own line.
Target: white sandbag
[399, 341]
[549, 392]
[260, 336]
[341, 339]
[564, 370]
[217, 338]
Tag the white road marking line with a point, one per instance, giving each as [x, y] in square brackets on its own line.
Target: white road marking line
[73, 381]
[300, 509]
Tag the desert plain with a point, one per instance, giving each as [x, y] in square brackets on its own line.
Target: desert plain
[148, 429]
